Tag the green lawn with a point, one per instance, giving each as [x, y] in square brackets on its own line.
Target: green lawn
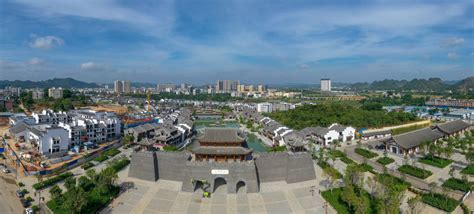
[415, 171]
[435, 161]
[366, 153]
[440, 201]
[457, 184]
[385, 160]
[468, 170]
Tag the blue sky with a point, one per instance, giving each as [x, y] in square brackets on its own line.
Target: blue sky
[256, 41]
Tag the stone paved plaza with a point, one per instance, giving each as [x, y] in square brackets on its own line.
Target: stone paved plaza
[165, 197]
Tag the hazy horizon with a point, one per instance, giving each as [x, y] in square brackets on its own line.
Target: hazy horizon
[268, 42]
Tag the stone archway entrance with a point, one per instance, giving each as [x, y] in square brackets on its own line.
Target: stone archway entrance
[241, 187]
[220, 185]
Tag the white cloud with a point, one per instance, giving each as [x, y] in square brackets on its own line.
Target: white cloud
[89, 65]
[452, 55]
[35, 61]
[304, 66]
[452, 42]
[46, 42]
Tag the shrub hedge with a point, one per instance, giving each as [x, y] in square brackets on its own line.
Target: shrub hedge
[435, 161]
[468, 170]
[51, 181]
[415, 171]
[457, 184]
[346, 160]
[440, 201]
[329, 170]
[366, 153]
[385, 160]
[337, 153]
[393, 182]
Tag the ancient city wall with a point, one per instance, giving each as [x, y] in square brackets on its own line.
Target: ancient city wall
[143, 166]
[267, 167]
[300, 168]
[232, 173]
[171, 165]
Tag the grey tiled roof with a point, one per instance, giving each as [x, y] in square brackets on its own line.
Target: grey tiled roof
[374, 133]
[338, 127]
[415, 138]
[221, 150]
[453, 126]
[215, 135]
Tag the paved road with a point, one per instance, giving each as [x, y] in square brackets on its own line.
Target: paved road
[415, 182]
[9, 203]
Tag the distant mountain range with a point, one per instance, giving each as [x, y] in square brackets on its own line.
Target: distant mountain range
[56, 82]
[431, 84]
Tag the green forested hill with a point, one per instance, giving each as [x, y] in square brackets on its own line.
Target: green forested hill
[346, 113]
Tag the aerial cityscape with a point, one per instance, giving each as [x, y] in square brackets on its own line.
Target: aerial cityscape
[236, 107]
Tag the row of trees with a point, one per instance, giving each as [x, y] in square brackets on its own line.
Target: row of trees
[447, 147]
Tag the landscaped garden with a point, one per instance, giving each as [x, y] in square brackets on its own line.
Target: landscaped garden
[89, 193]
[457, 184]
[440, 201]
[385, 160]
[435, 161]
[334, 197]
[415, 171]
[365, 153]
[468, 170]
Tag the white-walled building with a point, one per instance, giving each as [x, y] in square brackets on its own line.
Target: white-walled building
[37, 95]
[264, 107]
[325, 85]
[50, 140]
[56, 93]
[346, 133]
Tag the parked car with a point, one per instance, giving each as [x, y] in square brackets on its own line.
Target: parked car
[5, 170]
[20, 194]
[380, 146]
[24, 203]
[29, 211]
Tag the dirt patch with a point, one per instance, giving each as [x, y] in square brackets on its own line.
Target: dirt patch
[9, 180]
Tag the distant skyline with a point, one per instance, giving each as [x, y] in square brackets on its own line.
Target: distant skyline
[271, 42]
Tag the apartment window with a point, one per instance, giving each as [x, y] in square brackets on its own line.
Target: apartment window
[56, 141]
